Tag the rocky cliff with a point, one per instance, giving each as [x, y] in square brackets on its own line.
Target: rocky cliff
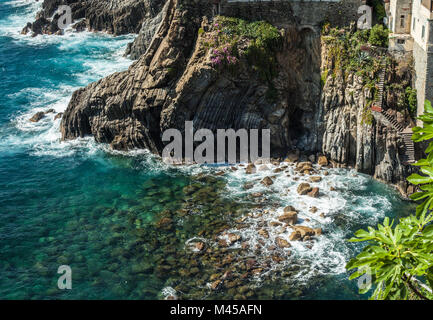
[176, 81]
[181, 77]
[114, 16]
[350, 133]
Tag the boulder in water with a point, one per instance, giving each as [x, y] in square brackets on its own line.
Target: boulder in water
[290, 208]
[315, 179]
[251, 168]
[295, 236]
[267, 181]
[37, 116]
[282, 243]
[290, 217]
[322, 161]
[314, 193]
[304, 188]
[58, 116]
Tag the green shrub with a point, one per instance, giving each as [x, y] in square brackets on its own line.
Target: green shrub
[398, 257]
[411, 101]
[233, 38]
[379, 36]
[323, 77]
[378, 9]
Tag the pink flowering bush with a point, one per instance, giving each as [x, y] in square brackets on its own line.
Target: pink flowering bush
[229, 39]
[224, 55]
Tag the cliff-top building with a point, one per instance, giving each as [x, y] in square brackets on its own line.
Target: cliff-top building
[411, 26]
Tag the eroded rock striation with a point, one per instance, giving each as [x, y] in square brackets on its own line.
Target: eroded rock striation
[175, 80]
[114, 16]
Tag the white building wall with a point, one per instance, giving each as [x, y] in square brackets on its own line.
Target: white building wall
[420, 17]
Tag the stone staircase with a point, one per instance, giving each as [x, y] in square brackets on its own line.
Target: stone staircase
[405, 133]
[378, 102]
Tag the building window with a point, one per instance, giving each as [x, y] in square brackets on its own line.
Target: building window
[402, 22]
[414, 24]
[423, 32]
[400, 41]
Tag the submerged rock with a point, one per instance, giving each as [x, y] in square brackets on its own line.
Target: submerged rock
[304, 188]
[251, 168]
[290, 217]
[267, 181]
[322, 161]
[295, 236]
[215, 285]
[314, 192]
[282, 243]
[315, 179]
[37, 117]
[290, 208]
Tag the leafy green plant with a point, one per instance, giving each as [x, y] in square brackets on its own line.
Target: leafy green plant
[231, 39]
[399, 255]
[366, 116]
[411, 101]
[378, 9]
[324, 77]
[345, 50]
[379, 36]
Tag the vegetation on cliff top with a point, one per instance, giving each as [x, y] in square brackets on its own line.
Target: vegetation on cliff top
[398, 259]
[347, 50]
[359, 52]
[231, 39]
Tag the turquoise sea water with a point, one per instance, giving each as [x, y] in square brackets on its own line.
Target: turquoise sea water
[124, 222]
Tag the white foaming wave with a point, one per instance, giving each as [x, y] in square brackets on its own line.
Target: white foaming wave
[98, 66]
[13, 24]
[26, 12]
[43, 137]
[330, 251]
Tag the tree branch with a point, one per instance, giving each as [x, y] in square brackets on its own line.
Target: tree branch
[414, 289]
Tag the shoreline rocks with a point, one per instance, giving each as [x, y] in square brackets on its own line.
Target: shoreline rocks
[38, 116]
[116, 17]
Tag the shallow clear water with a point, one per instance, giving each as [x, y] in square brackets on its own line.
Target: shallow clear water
[124, 222]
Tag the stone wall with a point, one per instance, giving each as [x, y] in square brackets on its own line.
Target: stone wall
[423, 64]
[306, 13]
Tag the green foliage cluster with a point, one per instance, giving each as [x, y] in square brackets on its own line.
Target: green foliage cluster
[345, 50]
[411, 101]
[367, 116]
[378, 36]
[378, 9]
[323, 77]
[399, 255]
[257, 41]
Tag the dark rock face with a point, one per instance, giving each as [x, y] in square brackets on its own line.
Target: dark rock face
[174, 81]
[148, 29]
[346, 138]
[37, 116]
[113, 16]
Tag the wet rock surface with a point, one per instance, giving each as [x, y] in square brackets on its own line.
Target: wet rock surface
[114, 16]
